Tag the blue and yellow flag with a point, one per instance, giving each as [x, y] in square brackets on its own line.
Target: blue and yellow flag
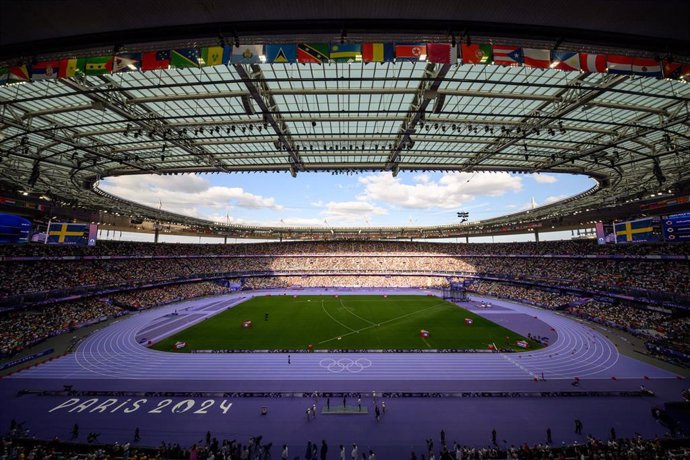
[347, 52]
[634, 230]
[281, 54]
[65, 233]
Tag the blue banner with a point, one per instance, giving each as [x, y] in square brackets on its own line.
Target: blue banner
[14, 229]
[676, 227]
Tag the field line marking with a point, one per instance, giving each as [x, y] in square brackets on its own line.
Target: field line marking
[384, 322]
[427, 343]
[330, 316]
[512, 361]
[355, 314]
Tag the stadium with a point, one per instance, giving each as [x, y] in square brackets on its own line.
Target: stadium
[154, 304]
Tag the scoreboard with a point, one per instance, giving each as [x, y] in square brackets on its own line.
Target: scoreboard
[676, 227]
[14, 229]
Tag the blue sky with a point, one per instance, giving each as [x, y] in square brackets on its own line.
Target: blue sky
[321, 199]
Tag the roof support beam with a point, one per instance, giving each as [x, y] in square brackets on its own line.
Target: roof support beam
[425, 93]
[145, 119]
[339, 92]
[261, 93]
[568, 100]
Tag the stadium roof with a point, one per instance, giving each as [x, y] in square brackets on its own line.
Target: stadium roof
[630, 133]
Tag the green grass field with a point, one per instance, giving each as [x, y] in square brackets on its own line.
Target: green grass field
[345, 322]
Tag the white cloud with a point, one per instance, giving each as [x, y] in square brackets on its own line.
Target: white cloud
[351, 211]
[544, 178]
[554, 198]
[185, 194]
[450, 191]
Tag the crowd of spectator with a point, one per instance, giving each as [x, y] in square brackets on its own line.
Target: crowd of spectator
[571, 248]
[674, 342]
[666, 336]
[20, 329]
[24, 328]
[622, 315]
[147, 298]
[354, 264]
[270, 282]
[645, 277]
[676, 333]
[17, 448]
[534, 296]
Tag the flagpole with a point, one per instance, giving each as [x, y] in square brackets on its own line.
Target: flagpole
[45, 241]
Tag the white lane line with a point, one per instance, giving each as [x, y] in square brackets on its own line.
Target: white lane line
[510, 360]
[382, 323]
[330, 316]
[354, 314]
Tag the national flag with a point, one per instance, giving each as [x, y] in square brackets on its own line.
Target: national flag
[634, 230]
[213, 55]
[442, 53]
[98, 65]
[621, 65]
[154, 60]
[676, 71]
[182, 58]
[507, 55]
[70, 67]
[346, 52]
[411, 52]
[4, 75]
[45, 70]
[281, 54]
[246, 54]
[536, 58]
[646, 67]
[476, 54]
[565, 60]
[19, 73]
[66, 233]
[593, 62]
[127, 62]
[315, 53]
[378, 52]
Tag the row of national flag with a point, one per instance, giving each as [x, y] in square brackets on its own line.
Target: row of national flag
[320, 53]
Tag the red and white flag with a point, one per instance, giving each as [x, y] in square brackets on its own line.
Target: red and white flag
[593, 62]
[442, 53]
[507, 55]
[646, 67]
[540, 59]
[619, 64]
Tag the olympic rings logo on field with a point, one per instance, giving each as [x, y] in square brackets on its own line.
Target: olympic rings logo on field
[337, 366]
